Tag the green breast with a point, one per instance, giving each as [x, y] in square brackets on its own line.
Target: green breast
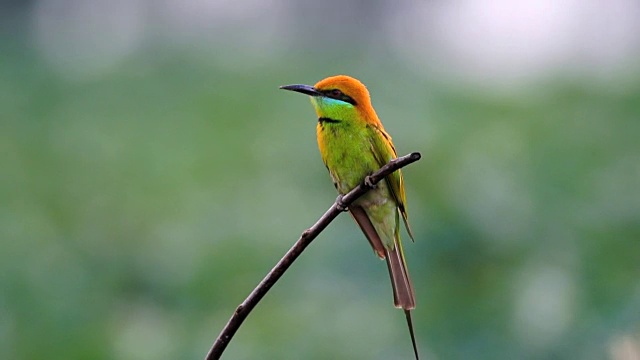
[347, 153]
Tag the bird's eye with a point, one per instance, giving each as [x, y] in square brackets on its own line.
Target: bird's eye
[336, 93]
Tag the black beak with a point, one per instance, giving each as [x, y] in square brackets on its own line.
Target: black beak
[304, 89]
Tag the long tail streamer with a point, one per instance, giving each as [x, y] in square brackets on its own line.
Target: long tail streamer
[413, 337]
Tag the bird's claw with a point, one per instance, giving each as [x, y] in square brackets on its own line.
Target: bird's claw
[369, 183]
[340, 204]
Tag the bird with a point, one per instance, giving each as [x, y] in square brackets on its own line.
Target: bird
[353, 144]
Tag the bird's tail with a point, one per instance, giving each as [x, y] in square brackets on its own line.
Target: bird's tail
[407, 313]
[403, 294]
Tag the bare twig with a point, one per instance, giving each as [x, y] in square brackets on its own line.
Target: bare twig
[243, 310]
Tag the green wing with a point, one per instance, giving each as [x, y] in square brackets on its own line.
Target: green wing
[383, 150]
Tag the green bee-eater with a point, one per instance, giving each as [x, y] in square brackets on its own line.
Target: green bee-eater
[353, 144]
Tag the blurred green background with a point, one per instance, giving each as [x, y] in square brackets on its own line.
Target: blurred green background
[152, 174]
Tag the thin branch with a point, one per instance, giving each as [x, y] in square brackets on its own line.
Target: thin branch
[243, 310]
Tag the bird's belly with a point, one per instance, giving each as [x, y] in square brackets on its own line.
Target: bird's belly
[382, 211]
[351, 176]
[348, 158]
[375, 197]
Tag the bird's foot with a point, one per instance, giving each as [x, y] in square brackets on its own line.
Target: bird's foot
[340, 204]
[369, 183]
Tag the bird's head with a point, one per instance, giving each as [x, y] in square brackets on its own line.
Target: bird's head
[340, 98]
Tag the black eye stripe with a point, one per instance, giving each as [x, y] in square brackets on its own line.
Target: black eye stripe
[338, 95]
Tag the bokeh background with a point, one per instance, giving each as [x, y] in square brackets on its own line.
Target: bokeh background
[152, 173]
